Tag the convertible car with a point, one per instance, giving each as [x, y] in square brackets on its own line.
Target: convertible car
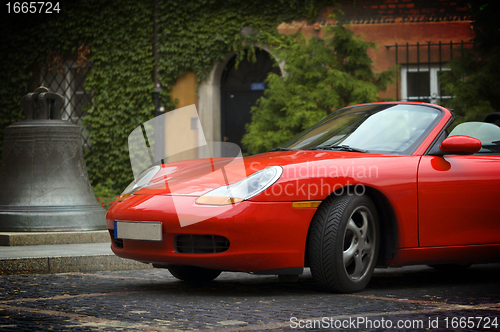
[380, 184]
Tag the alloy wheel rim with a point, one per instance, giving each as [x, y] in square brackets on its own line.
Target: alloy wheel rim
[359, 244]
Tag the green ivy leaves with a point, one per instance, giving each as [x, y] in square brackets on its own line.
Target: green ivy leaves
[192, 36]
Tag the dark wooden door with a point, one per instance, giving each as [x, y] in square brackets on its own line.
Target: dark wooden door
[241, 86]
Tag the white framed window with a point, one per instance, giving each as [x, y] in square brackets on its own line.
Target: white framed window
[421, 83]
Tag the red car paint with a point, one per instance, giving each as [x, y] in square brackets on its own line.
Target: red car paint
[445, 207]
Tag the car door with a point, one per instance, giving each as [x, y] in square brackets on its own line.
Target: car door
[459, 197]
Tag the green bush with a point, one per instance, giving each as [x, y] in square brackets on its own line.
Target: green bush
[105, 193]
[473, 79]
[322, 75]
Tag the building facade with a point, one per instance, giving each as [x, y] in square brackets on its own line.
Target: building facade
[418, 36]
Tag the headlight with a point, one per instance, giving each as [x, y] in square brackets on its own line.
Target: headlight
[242, 190]
[141, 181]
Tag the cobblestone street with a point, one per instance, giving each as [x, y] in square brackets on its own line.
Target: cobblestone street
[152, 300]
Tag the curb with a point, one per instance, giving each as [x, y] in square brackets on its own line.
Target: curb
[90, 257]
[46, 238]
[69, 264]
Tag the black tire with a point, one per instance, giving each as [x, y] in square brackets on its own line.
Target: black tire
[332, 237]
[193, 273]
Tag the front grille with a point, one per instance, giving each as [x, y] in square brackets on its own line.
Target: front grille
[116, 242]
[200, 244]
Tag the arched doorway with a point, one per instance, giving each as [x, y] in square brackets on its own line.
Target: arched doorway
[241, 86]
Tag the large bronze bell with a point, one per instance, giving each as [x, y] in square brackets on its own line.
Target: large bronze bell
[44, 184]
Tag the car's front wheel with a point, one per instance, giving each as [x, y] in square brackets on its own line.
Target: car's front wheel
[343, 243]
[193, 273]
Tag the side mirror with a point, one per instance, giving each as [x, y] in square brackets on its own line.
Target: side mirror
[460, 144]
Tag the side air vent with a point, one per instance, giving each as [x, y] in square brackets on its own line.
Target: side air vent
[200, 244]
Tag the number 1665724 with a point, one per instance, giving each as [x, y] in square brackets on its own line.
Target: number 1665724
[33, 7]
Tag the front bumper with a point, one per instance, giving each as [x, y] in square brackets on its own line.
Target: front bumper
[262, 235]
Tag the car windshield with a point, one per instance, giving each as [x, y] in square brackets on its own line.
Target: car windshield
[374, 128]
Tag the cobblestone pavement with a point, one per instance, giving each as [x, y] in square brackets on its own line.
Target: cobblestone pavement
[416, 298]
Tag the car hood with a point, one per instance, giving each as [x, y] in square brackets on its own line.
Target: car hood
[199, 176]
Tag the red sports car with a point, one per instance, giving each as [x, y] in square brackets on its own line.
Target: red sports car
[380, 184]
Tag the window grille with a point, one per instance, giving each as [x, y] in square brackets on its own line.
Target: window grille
[420, 66]
[68, 79]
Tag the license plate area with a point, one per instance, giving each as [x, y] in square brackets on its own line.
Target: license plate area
[132, 230]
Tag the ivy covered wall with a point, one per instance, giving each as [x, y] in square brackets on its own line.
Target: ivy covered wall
[192, 36]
